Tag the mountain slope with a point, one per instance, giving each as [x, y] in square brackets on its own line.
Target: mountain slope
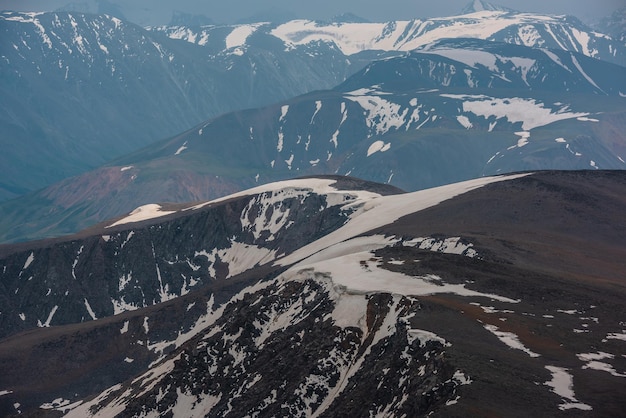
[467, 299]
[455, 110]
[78, 90]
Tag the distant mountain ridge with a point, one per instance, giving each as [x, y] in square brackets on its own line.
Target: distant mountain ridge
[615, 25]
[491, 23]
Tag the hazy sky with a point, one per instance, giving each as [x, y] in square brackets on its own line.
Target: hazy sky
[228, 11]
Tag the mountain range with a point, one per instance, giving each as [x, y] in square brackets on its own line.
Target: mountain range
[450, 111]
[306, 218]
[329, 296]
[85, 89]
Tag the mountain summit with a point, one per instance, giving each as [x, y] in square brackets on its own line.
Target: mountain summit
[480, 6]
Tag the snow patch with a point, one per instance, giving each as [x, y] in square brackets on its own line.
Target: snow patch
[464, 121]
[318, 107]
[378, 146]
[452, 245]
[562, 384]
[121, 305]
[523, 138]
[381, 114]
[142, 213]
[29, 260]
[240, 34]
[352, 38]
[555, 57]
[240, 257]
[529, 112]
[592, 361]
[616, 336]
[585, 119]
[584, 74]
[283, 112]
[425, 336]
[181, 149]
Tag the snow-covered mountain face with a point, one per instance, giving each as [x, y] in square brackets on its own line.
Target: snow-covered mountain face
[487, 23]
[330, 297]
[454, 110]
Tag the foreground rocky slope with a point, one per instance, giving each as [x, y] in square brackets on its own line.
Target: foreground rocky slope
[469, 299]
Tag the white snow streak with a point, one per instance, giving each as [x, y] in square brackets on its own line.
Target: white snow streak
[29, 260]
[181, 149]
[584, 74]
[464, 121]
[510, 339]
[50, 316]
[89, 310]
